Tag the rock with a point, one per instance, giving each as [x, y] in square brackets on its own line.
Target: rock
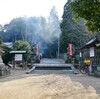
[4, 70]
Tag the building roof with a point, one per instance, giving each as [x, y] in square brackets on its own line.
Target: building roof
[95, 41]
[8, 44]
[17, 52]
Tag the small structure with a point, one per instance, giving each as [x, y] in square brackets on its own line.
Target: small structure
[18, 57]
[92, 51]
[4, 70]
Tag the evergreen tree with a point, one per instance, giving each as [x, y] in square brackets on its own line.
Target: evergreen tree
[0, 40]
[72, 32]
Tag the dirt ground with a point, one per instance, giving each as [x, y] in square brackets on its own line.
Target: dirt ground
[50, 86]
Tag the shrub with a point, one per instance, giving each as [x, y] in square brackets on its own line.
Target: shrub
[23, 45]
[6, 56]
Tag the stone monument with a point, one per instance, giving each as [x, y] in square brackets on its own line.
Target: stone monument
[4, 70]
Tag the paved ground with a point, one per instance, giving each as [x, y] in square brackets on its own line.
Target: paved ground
[83, 78]
[87, 80]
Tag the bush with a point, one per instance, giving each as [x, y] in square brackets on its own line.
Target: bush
[6, 56]
[23, 45]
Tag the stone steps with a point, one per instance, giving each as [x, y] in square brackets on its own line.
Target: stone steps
[51, 67]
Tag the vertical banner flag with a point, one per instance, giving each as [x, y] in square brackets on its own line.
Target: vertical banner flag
[36, 49]
[70, 49]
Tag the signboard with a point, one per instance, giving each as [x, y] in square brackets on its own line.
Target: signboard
[80, 54]
[18, 57]
[92, 52]
[70, 49]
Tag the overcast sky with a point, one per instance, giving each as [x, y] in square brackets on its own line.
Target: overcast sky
[10, 9]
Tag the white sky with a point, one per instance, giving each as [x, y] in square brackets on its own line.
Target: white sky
[10, 9]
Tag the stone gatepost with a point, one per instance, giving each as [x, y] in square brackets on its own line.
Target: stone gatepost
[4, 70]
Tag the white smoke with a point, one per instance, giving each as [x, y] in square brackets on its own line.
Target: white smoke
[52, 30]
[39, 27]
[40, 30]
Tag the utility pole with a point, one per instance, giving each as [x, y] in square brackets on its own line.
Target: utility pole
[58, 46]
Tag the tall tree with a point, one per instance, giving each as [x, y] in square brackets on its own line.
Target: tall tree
[90, 11]
[0, 40]
[17, 28]
[72, 32]
[53, 26]
[1, 27]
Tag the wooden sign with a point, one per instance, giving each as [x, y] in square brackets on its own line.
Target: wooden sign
[92, 52]
[18, 57]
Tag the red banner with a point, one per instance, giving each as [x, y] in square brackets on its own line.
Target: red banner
[70, 49]
[36, 49]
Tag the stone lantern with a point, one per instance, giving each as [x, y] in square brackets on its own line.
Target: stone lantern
[4, 70]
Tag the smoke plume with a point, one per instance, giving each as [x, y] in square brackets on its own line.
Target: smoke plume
[43, 31]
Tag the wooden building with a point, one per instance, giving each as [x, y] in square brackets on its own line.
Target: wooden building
[92, 51]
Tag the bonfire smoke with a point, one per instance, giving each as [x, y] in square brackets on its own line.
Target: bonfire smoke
[40, 30]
